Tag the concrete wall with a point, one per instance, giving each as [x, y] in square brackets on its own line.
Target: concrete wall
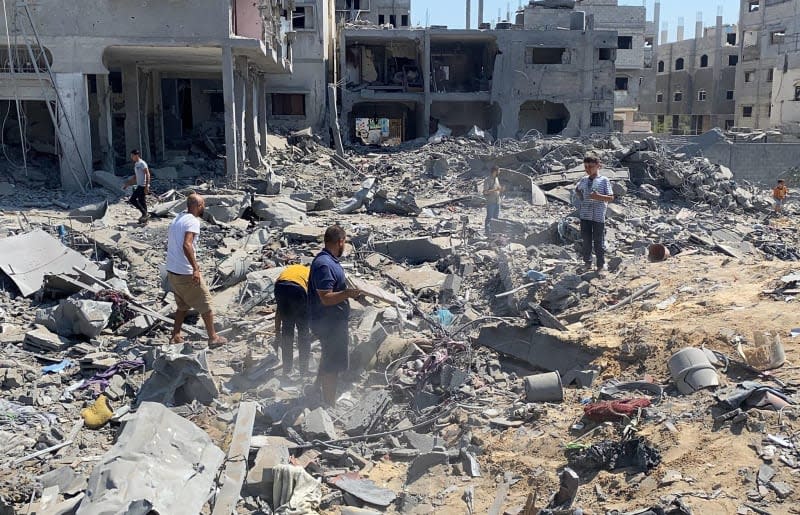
[248, 19]
[785, 108]
[760, 163]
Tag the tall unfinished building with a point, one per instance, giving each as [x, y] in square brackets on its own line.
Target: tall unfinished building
[153, 77]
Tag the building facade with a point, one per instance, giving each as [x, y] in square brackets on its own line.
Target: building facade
[550, 72]
[299, 100]
[396, 13]
[633, 56]
[691, 87]
[147, 76]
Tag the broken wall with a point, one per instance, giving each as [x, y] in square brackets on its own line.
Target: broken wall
[582, 81]
[460, 117]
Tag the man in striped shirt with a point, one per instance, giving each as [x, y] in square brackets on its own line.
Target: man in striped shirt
[594, 193]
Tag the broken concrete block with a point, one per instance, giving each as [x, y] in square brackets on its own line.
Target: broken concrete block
[318, 425]
[109, 181]
[422, 442]
[546, 349]
[75, 317]
[512, 262]
[260, 477]
[364, 489]
[41, 339]
[280, 211]
[450, 289]
[225, 208]
[417, 279]
[364, 414]
[303, 233]
[179, 379]
[412, 250]
[11, 378]
[424, 462]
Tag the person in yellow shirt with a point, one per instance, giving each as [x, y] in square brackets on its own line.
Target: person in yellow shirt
[291, 297]
[779, 195]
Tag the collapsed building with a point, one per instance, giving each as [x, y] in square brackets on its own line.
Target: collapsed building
[149, 77]
[551, 72]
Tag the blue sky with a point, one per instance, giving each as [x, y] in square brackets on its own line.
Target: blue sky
[453, 12]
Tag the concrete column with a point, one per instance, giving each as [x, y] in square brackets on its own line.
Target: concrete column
[656, 21]
[251, 120]
[130, 92]
[231, 140]
[145, 107]
[469, 14]
[426, 82]
[104, 123]
[263, 129]
[480, 12]
[158, 117]
[74, 131]
[239, 90]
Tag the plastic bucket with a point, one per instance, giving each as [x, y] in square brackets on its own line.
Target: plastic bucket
[544, 387]
[691, 370]
[657, 252]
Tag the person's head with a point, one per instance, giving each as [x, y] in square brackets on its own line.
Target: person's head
[591, 163]
[196, 205]
[495, 171]
[781, 182]
[334, 240]
[135, 155]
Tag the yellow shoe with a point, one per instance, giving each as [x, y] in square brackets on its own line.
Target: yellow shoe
[98, 414]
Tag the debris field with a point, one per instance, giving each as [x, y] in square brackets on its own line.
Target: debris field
[489, 373]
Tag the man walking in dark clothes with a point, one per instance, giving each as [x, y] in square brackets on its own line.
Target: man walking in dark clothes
[329, 311]
[141, 178]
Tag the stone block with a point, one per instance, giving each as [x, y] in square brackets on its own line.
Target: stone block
[318, 425]
[168, 173]
[259, 477]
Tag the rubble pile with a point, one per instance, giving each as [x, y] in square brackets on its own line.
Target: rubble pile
[489, 373]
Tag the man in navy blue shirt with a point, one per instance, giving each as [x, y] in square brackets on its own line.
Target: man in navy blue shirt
[329, 311]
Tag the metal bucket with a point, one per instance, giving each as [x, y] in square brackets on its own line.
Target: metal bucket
[691, 370]
[544, 387]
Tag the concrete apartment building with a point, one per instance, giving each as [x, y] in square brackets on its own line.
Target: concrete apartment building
[551, 72]
[635, 41]
[691, 87]
[299, 100]
[768, 79]
[147, 76]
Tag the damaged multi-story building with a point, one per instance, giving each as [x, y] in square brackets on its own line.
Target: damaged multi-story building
[551, 71]
[768, 78]
[691, 88]
[396, 13]
[636, 39]
[159, 77]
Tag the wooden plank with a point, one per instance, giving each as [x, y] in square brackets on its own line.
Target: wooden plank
[236, 462]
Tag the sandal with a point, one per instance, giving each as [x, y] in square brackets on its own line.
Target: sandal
[176, 340]
[219, 341]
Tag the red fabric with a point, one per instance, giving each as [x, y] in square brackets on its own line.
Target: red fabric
[605, 411]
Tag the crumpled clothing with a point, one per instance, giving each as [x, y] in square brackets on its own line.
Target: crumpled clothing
[120, 312]
[609, 411]
[18, 415]
[610, 455]
[295, 491]
[676, 507]
[99, 382]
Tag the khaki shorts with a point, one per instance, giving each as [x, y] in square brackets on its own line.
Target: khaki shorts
[189, 294]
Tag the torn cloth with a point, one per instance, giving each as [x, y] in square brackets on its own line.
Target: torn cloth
[750, 394]
[18, 415]
[609, 411]
[120, 312]
[610, 455]
[99, 382]
[295, 491]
